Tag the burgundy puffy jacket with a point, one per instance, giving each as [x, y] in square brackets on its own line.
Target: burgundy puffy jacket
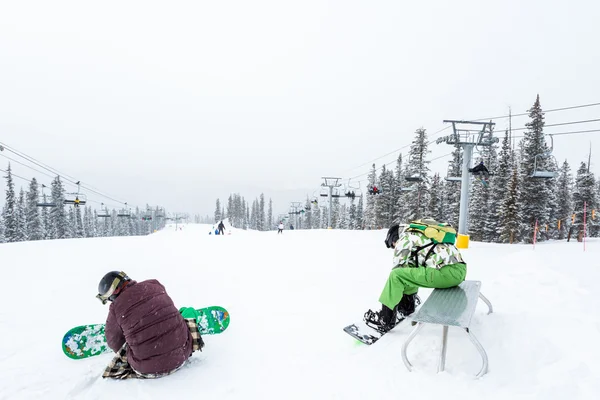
[144, 316]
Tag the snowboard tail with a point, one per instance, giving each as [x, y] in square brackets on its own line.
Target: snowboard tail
[89, 340]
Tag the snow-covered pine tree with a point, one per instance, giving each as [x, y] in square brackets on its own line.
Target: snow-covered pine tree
[479, 204]
[452, 188]
[248, 219]
[261, 213]
[335, 213]
[2, 238]
[508, 212]
[308, 214]
[218, 215]
[21, 217]
[270, 223]
[45, 215]
[88, 225]
[478, 208]
[551, 227]
[10, 209]
[533, 193]
[417, 200]
[79, 232]
[400, 210]
[352, 215]
[385, 203]
[343, 217]
[254, 215]
[58, 216]
[500, 188]
[369, 217]
[585, 192]
[360, 222]
[245, 219]
[35, 230]
[230, 210]
[316, 217]
[436, 200]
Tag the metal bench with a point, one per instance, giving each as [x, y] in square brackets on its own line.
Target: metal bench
[450, 307]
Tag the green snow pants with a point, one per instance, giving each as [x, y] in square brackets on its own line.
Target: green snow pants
[408, 280]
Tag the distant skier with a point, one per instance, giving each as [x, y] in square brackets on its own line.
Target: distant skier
[151, 337]
[280, 228]
[418, 262]
[221, 228]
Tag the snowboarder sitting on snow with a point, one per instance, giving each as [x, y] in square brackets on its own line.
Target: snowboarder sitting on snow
[424, 256]
[480, 169]
[221, 228]
[150, 336]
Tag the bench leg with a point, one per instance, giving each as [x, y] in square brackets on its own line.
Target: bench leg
[484, 368]
[407, 342]
[486, 301]
[442, 363]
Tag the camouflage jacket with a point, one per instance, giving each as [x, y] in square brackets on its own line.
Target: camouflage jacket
[442, 254]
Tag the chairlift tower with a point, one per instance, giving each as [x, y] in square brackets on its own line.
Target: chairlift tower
[479, 134]
[295, 205]
[331, 183]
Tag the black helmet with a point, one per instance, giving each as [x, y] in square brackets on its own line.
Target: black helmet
[392, 236]
[110, 286]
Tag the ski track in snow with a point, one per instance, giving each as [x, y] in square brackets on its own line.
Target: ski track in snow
[289, 297]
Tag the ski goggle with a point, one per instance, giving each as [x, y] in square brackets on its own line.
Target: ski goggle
[112, 291]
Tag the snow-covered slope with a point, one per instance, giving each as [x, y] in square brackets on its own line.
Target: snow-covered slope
[290, 296]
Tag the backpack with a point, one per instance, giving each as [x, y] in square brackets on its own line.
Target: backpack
[437, 232]
[427, 234]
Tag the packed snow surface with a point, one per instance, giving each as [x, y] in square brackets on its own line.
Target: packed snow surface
[289, 297]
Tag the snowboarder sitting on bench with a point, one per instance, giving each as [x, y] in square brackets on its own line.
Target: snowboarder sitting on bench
[150, 336]
[480, 169]
[424, 256]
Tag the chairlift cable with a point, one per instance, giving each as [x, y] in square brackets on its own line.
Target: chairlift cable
[482, 119]
[559, 124]
[544, 111]
[27, 166]
[55, 171]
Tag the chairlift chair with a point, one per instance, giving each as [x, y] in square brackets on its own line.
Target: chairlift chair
[352, 191]
[408, 188]
[371, 189]
[544, 174]
[413, 178]
[77, 199]
[103, 213]
[451, 178]
[45, 201]
[147, 216]
[124, 212]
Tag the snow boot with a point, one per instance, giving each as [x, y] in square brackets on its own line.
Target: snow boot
[407, 305]
[381, 321]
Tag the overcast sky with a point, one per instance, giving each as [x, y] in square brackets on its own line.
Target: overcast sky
[177, 103]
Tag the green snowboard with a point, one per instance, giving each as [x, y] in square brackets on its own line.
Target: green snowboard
[88, 340]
